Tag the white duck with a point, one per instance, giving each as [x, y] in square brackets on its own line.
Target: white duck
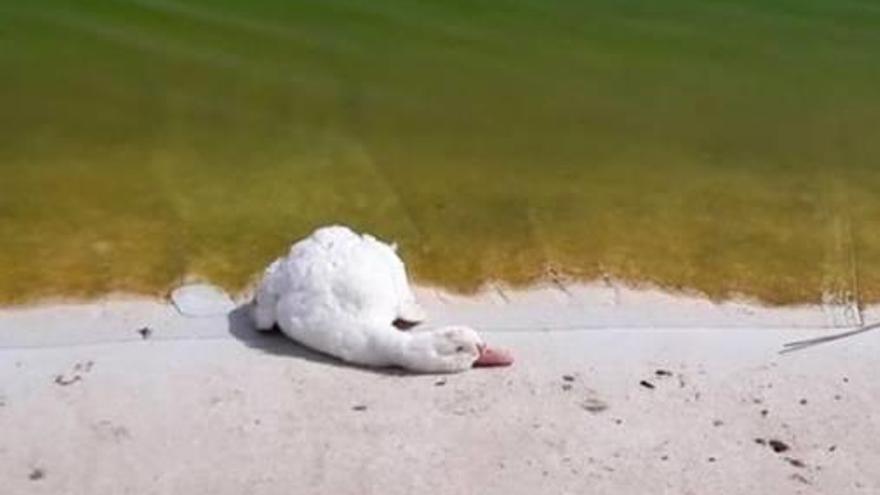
[341, 293]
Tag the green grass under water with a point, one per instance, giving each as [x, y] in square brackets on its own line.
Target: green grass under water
[728, 147]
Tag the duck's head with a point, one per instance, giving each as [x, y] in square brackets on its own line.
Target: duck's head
[452, 349]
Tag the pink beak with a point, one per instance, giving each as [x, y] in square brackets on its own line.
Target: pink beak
[493, 357]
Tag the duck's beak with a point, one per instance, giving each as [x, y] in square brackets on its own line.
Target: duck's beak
[493, 357]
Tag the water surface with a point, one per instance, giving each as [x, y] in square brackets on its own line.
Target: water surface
[726, 147]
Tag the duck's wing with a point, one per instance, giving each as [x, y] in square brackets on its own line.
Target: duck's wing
[409, 314]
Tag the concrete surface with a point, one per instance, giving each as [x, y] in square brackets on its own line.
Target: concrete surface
[129, 397]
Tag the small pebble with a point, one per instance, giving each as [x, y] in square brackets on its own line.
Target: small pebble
[60, 380]
[359, 407]
[197, 300]
[663, 373]
[37, 474]
[797, 477]
[803, 402]
[646, 384]
[145, 332]
[778, 446]
[568, 378]
[594, 405]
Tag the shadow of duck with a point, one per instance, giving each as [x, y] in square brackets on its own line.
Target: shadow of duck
[242, 328]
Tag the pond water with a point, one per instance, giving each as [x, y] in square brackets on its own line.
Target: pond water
[726, 147]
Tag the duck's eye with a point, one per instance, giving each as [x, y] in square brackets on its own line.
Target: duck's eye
[459, 348]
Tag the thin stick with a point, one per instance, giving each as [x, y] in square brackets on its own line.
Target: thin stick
[803, 344]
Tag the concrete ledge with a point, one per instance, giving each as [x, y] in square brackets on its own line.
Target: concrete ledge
[208, 406]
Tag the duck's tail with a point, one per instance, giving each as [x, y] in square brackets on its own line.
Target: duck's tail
[265, 304]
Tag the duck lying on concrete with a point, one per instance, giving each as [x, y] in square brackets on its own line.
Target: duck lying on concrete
[347, 295]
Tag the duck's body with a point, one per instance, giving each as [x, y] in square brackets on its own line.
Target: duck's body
[339, 292]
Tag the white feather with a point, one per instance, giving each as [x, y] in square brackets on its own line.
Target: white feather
[339, 292]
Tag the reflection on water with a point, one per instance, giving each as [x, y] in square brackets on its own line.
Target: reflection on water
[722, 146]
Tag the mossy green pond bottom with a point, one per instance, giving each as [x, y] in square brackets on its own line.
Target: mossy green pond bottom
[727, 147]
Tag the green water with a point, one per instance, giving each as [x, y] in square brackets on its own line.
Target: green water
[727, 147]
